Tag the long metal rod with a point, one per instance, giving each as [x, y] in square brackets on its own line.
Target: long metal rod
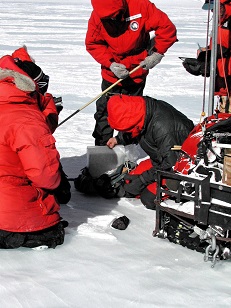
[98, 96]
[213, 63]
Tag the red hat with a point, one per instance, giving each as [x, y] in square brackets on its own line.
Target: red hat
[109, 8]
[126, 113]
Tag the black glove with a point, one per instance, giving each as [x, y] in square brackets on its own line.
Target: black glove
[196, 67]
[203, 71]
[136, 184]
[63, 191]
[192, 66]
[58, 104]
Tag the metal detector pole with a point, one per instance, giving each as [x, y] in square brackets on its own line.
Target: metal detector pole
[98, 96]
[213, 63]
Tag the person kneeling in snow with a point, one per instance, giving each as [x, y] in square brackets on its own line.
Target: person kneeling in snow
[49, 105]
[157, 127]
[30, 175]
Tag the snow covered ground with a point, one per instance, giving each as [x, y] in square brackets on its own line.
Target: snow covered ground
[99, 267]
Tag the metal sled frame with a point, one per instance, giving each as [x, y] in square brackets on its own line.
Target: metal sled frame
[205, 210]
[201, 197]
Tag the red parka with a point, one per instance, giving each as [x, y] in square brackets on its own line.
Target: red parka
[129, 40]
[29, 161]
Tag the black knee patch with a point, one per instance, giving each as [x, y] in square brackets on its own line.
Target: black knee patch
[147, 198]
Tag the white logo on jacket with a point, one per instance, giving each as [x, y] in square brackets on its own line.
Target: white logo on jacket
[134, 26]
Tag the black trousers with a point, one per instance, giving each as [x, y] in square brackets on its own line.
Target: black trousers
[50, 237]
[103, 132]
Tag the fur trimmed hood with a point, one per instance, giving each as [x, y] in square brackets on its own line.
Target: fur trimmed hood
[22, 82]
[11, 73]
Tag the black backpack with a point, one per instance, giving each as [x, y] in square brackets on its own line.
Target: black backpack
[108, 185]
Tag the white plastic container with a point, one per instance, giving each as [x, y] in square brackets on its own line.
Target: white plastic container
[101, 159]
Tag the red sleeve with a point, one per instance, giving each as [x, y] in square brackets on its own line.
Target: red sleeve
[48, 108]
[95, 44]
[165, 30]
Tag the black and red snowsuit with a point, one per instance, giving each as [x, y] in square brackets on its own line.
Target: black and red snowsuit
[156, 126]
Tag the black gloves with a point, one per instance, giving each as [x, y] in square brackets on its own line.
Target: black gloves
[192, 66]
[196, 67]
[63, 191]
[136, 184]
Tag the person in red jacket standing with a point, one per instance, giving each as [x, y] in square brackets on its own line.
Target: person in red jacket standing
[198, 66]
[30, 176]
[118, 37]
[223, 70]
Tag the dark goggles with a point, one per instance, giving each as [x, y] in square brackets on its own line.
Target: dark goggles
[43, 83]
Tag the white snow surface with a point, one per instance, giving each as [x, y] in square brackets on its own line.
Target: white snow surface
[97, 266]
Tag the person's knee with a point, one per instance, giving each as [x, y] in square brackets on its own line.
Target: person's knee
[147, 198]
[50, 237]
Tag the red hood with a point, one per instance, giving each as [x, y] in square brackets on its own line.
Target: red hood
[22, 54]
[8, 63]
[108, 8]
[126, 113]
